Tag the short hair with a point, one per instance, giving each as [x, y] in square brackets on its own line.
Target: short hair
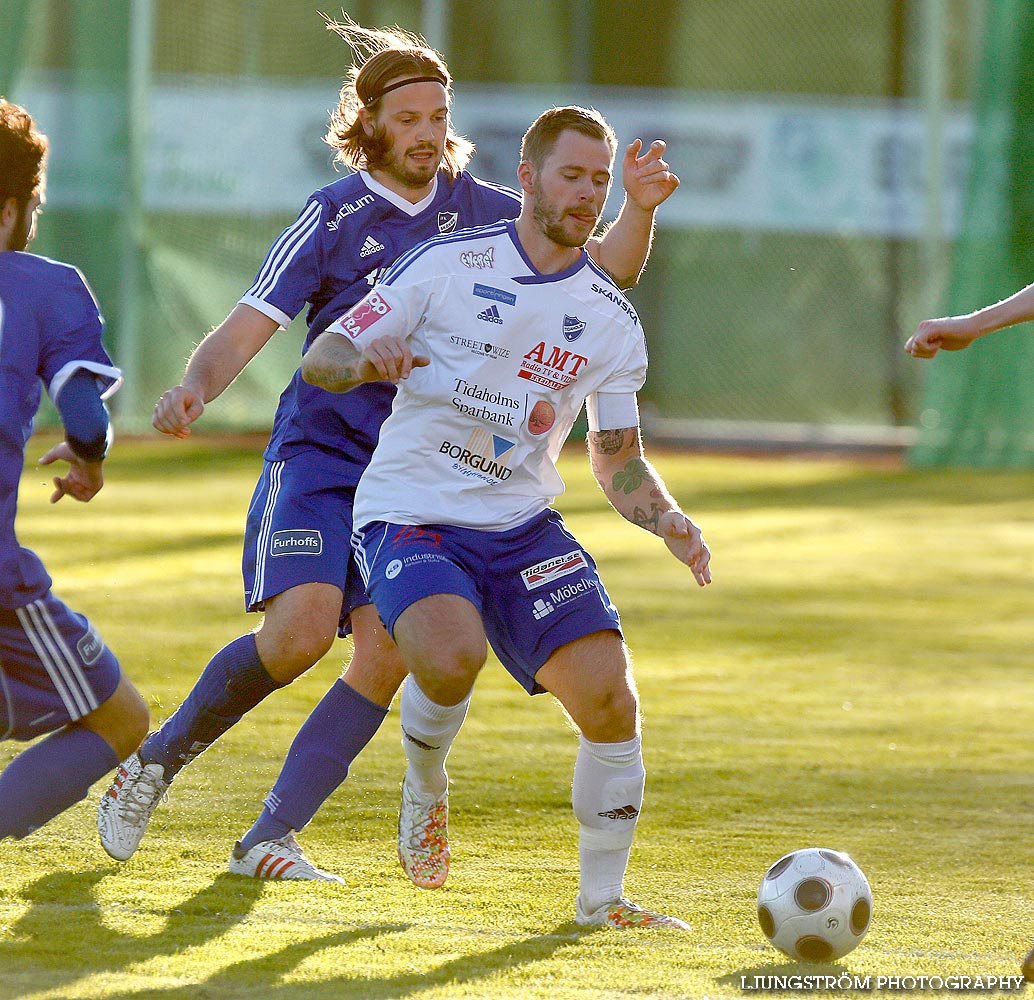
[539, 140]
[381, 55]
[23, 153]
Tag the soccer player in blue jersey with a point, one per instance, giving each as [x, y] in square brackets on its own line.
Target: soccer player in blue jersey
[56, 674]
[468, 552]
[409, 183]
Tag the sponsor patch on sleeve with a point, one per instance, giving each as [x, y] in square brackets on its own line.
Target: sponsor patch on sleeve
[361, 316]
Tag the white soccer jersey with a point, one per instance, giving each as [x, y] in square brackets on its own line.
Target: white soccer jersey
[473, 438]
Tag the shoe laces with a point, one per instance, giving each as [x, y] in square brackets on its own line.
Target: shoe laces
[289, 843]
[148, 790]
[421, 821]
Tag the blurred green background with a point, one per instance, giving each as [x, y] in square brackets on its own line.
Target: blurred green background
[826, 150]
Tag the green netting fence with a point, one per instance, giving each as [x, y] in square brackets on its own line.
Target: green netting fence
[977, 405]
[787, 271]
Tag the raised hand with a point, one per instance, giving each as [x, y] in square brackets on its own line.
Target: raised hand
[647, 178]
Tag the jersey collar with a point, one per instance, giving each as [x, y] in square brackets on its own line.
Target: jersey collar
[536, 277]
[396, 199]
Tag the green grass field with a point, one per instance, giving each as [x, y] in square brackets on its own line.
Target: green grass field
[858, 676]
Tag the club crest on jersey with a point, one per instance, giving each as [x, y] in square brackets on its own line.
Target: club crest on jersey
[361, 316]
[482, 260]
[544, 573]
[556, 369]
[573, 328]
[447, 221]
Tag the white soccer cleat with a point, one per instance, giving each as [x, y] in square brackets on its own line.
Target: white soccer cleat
[424, 837]
[624, 915]
[277, 859]
[127, 805]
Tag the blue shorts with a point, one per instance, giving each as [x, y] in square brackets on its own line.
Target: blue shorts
[299, 531]
[535, 587]
[54, 668]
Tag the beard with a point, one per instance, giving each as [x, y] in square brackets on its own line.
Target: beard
[381, 155]
[551, 220]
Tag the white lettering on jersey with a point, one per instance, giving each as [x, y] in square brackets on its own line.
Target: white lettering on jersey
[350, 209]
[481, 260]
[361, 316]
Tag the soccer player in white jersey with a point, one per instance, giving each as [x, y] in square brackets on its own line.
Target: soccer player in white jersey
[455, 534]
[392, 125]
[56, 674]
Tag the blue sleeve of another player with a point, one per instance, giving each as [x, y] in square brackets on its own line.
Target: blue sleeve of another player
[290, 274]
[72, 327]
[84, 416]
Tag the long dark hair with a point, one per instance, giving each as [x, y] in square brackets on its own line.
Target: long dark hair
[381, 55]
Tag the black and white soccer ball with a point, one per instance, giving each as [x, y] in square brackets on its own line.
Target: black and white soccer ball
[815, 904]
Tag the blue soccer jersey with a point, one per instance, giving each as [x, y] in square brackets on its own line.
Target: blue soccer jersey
[344, 239]
[50, 327]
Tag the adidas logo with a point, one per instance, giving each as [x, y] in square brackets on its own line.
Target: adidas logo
[624, 812]
[491, 315]
[369, 247]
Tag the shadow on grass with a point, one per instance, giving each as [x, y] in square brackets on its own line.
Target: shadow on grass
[259, 976]
[63, 931]
[460, 971]
[263, 975]
[62, 939]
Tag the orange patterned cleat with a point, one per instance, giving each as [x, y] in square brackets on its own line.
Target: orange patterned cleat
[424, 837]
[625, 915]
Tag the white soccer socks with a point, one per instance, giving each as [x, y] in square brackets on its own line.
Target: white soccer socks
[428, 730]
[607, 795]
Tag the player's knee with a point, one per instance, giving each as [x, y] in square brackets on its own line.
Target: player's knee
[287, 652]
[610, 715]
[447, 675]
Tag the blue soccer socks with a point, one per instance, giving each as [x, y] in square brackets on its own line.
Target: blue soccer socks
[333, 735]
[232, 684]
[49, 777]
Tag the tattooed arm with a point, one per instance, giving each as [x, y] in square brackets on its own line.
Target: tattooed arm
[333, 363]
[638, 493]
